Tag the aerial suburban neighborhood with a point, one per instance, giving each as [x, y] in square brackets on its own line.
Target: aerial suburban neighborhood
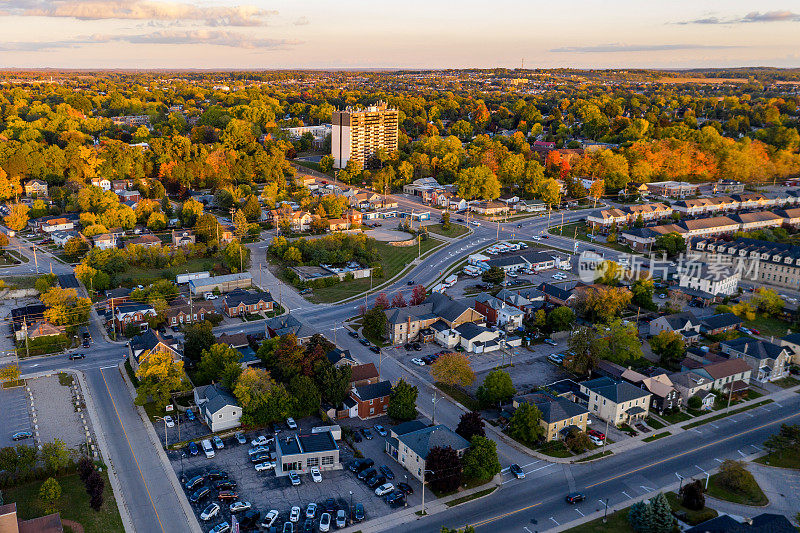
[300, 298]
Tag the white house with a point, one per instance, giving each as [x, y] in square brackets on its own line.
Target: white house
[478, 339]
[710, 278]
[219, 410]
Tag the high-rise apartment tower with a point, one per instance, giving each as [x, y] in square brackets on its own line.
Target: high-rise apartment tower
[358, 133]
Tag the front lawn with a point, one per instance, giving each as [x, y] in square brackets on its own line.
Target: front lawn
[581, 231]
[456, 230]
[73, 505]
[393, 259]
[555, 449]
[677, 416]
[651, 438]
[459, 395]
[688, 515]
[781, 460]
[768, 326]
[617, 522]
[787, 382]
[752, 495]
[653, 423]
[144, 276]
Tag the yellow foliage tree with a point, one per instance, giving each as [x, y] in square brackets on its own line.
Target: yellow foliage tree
[453, 369]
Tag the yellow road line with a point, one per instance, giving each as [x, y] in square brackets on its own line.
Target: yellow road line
[131, 449]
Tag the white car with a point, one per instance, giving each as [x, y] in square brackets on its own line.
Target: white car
[384, 489]
[266, 465]
[311, 510]
[595, 440]
[291, 423]
[417, 361]
[341, 519]
[210, 296]
[261, 440]
[238, 507]
[210, 512]
[475, 223]
[269, 519]
[325, 522]
[294, 516]
[537, 238]
[294, 478]
[169, 421]
[315, 475]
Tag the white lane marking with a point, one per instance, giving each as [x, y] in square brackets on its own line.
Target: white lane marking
[700, 469]
[718, 460]
[741, 453]
[696, 431]
[554, 520]
[579, 512]
[713, 424]
[776, 403]
[107, 367]
[628, 495]
[646, 488]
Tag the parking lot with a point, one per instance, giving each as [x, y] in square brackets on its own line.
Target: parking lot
[265, 491]
[14, 405]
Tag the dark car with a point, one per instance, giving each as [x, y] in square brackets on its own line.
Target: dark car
[376, 481]
[417, 347]
[358, 512]
[355, 466]
[353, 334]
[329, 506]
[86, 343]
[410, 282]
[386, 471]
[305, 291]
[366, 463]
[517, 471]
[199, 494]
[405, 487]
[261, 457]
[249, 519]
[216, 474]
[194, 482]
[225, 484]
[366, 473]
[308, 526]
[374, 349]
[364, 342]
[74, 356]
[193, 449]
[575, 497]
[407, 346]
[367, 433]
[396, 497]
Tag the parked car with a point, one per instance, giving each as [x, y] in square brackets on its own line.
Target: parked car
[555, 358]
[269, 519]
[222, 527]
[405, 487]
[288, 527]
[380, 429]
[261, 457]
[257, 450]
[207, 448]
[210, 512]
[367, 433]
[353, 334]
[364, 342]
[516, 470]
[599, 434]
[294, 478]
[249, 519]
[575, 497]
[196, 481]
[386, 471]
[551, 342]
[199, 494]
[311, 510]
[358, 512]
[190, 415]
[216, 474]
[366, 474]
[290, 423]
[22, 435]
[74, 356]
[294, 514]
[240, 438]
[329, 505]
[396, 497]
[316, 475]
[374, 349]
[239, 506]
[376, 480]
[225, 484]
[261, 440]
[227, 495]
[407, 347]
[384, 489]
[595, 440]
[325, 522]
[218, 444]
[193, 450]
[417, 361]
[417, 347]
[357, 436]
[266, 465]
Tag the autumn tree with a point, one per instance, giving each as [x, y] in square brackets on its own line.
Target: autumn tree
[669, 346]
[17, 217]
[605, 303]
[55, 454]
[619, 344]
[453, 369]
[262, 399]
[583, 358]
[240, 224]
[418, 295]
[398, 300]
[49, 494]
[767, 301]
[159, 376]
[196, 339]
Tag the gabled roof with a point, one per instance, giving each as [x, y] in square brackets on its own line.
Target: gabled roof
[727, 368]
[559, 409]
[680, 321]
[214, 398]
[363, 372]
[720, 321]
[241, 296]
[373, 391]
[554, 291]
[616, 391]
[470, 330]
[284, 324]
[755, 347]
[235, 340]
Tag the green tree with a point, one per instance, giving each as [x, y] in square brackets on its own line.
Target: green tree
[560, 318]
[334, 383]
[240, 224]
[663, 521]
[326, 163]
[524, 424]
[693, 495]
[375, 323]
[159, 376]
[640, 517]
[196, 339]
[583, 358]
[471, 424]
[403, 401]
[191, 211]
[672, 244]
[480, 460]
[577, 440]
[619, 344]
[49, 494]
[494, 275]
[669, 346]
[75, 248]
[252, 209]
[305, 394]
[767, 301]
[446, 221]
[496, 389]
[215, 361]
[55, 455]
[642, 291]
[236, 256]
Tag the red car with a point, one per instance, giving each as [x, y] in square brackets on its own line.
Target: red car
[228, 495]
[598, 434]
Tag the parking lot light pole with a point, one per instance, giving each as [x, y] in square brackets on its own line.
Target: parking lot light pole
[165, 430]
[351, 507]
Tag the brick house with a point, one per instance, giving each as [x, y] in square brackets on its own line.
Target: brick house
[132, 313]
[181, 311]
[365, 374]
[239, 302]
[371, 400]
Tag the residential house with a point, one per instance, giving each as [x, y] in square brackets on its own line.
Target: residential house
[119, 185]
[690, 383]
[372, 399]
[219, 409]
[132, 313]
[365, 374]
[183, 238]
[300, 453]
[103, 183]
[558, 415]
[714, 279]
[618, 402]
[36, 187]
[225, 284]
[409, 445]
[792, 344]
[763, 523]
[684, 323]
[185, 311]
[664, 395]
[478, 339]
[556, 294]
[129, 196]
[240, 302]
[354, 217]
[56, 224]
[104, 241]
[285, 324]
[404, 324]
[527, 300]
[729, 375]
[339, 358]
[10, 522]
[61, 238]
[498, 312]
[144, 344]
[42, 328]
[490, 208]
[719, 323]
[115, 297]
[768, 361]
[144, 240]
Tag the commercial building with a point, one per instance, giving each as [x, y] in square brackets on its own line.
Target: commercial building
[225, 283]
[404, 324]
[358, 133]
[300, 453]
[318, 133]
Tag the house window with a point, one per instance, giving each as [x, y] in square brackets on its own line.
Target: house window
[372, 410]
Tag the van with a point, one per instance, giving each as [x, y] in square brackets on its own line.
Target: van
[208, 449]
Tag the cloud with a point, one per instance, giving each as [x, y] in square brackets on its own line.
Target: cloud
[245, 15]
[302, 21]
[189, 37]
[753, 16]
[616, 47]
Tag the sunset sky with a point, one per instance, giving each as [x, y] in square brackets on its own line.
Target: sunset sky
[404, 34]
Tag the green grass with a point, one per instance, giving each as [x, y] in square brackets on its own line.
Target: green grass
[753, 495]
[456, 230]
[768, 326]
[555, 449]
[781, 460]
[688, 515]
[20, 282]
[651, 438]
[787, 382]
[133, 274]
[65, 379]
[653, 423]
[677, 416]
[617, 523]
[723, 415]
[595, 456]
[73, 505]
[459, 395]
[393, 258]
[20, 257]
[583, 235]
[474, 496]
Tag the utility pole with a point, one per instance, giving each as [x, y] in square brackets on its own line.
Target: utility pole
[35, 259]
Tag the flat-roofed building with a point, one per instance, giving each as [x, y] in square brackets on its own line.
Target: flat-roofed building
[301, 453]
[358, 133]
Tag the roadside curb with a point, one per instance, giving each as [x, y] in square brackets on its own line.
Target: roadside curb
[191, 518]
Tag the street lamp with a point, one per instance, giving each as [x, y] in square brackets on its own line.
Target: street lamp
[681, 484]
[423, 489]
[605, 513]
[351, 507]
[434, 400]
[165, 430]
